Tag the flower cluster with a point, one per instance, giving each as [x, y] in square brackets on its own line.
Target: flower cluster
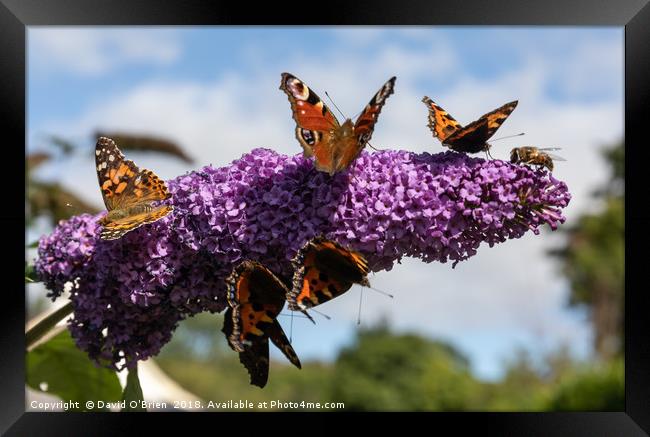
[130, 293]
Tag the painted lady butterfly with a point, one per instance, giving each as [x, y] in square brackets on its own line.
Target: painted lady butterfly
[471, 138]
[334, 146]
[128, 192]
[324, 270]
[255, 298]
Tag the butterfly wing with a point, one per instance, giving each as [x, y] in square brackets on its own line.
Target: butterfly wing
[344, 152]
[124, 186]
[122, 183]
[114, 229]
[324, 270]
[256, 297]
[279, 339]
[473, 137]
[314, 120]
[256, 360]
[442, 124]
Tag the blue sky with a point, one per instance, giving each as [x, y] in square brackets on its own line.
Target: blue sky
[215, 91]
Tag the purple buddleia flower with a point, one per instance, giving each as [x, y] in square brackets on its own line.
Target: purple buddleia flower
[129, 294]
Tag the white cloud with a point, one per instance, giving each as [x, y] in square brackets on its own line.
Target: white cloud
[505, 296]
[85, 51]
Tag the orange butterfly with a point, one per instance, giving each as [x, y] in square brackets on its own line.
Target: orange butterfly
[334, 146]
[471, 138]
[255, 298]
[324, 270]
[128, 192]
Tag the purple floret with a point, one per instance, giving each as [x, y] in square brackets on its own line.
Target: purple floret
[129, 294]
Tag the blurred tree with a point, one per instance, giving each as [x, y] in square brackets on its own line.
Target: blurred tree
[49, 199]
[386, 371]
[593, 260]
[597, 389]
[522, 388]
[199, 358]
[146, 143]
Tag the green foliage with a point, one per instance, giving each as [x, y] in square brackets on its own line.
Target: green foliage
[593, 259]
[132, 394]
[30, 273]
[51, 200]
[58, 367]
[597, 389]
[521, 389]
[199, 359]
[384, 371]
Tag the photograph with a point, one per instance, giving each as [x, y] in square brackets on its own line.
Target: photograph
[325, 218]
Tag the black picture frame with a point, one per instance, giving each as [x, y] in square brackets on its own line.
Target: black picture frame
[634, 15]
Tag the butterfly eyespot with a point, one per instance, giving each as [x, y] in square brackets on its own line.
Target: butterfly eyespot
[298, 89]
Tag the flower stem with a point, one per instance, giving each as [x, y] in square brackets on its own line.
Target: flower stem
[36, 332]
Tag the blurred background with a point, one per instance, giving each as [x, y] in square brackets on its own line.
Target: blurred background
[532, 324]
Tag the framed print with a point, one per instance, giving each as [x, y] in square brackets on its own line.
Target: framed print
[395, 209]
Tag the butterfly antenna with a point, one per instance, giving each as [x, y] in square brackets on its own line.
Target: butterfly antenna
[381, 292]
[334, 104]
[372, 147]
[321, 314]
[292, 314]
[510, 136]
[360, 300]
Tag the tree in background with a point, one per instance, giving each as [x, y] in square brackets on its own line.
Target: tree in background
[388, 371]
[593, 260]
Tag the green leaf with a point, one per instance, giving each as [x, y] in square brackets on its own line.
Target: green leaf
[33, 245]
[59, 368]
[132, 395]
[30, 273]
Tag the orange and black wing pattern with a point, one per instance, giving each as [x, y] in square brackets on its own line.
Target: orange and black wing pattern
[324, 270]
[255, 298]
[440, 122]
[471, 138]
[333, 146]
[128, 191]
[314, 120]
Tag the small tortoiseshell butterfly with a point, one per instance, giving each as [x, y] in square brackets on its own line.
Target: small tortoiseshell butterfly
[324, 270]
[471, 138]
[334, 146]
[255, 298]
[128, 192]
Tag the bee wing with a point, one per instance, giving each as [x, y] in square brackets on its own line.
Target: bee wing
[549, 148]
[555, 157]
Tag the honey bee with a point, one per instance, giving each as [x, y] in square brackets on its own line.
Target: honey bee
[534, 156]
